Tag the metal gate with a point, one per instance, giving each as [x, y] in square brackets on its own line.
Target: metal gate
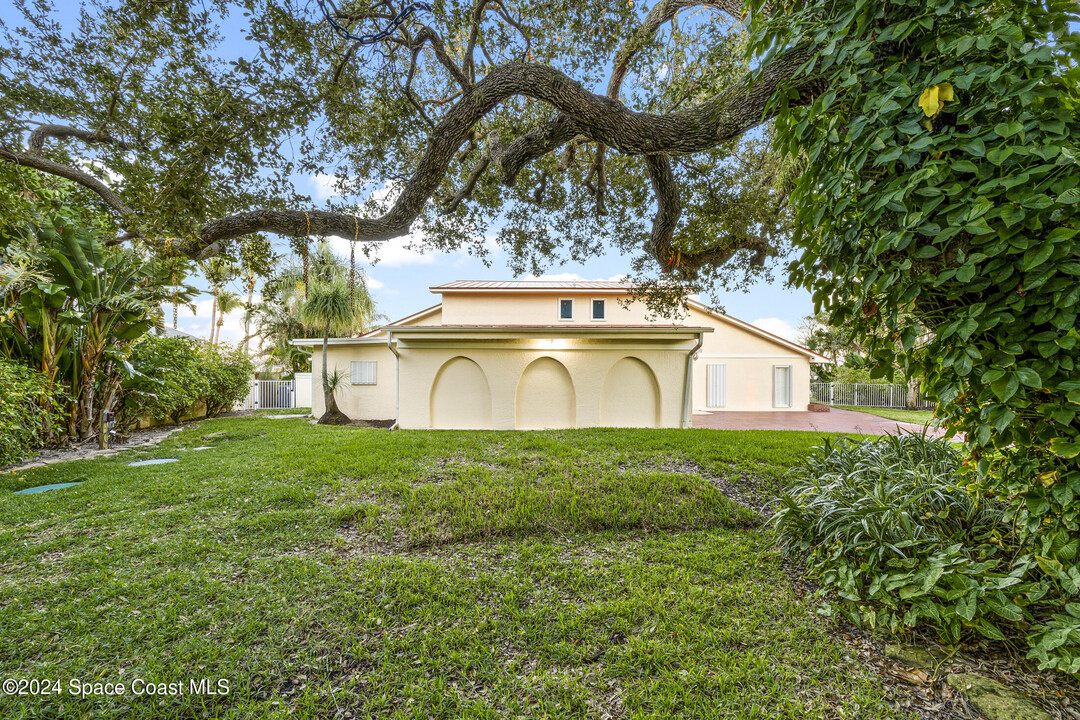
[270, 395]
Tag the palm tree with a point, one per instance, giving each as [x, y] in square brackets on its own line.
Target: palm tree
[227, 301]
[278, 318]
[329, 308]
[218, 271]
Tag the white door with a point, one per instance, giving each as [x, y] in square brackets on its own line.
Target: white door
[782, 386]
[716, 385]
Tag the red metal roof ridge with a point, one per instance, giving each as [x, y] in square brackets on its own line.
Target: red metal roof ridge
[532, 285]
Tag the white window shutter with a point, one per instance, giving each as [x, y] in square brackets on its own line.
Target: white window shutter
[781, 386]
[362, 372]
[716, 385]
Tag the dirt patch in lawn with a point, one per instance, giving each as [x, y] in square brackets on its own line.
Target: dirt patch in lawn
[746, 491]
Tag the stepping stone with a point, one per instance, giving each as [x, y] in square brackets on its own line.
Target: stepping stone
[285, 417]
[914, 656]
[994, 700]
[160, 461]
[204, 447]
[43, 488]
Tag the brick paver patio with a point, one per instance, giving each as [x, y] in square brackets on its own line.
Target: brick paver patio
[839, 421]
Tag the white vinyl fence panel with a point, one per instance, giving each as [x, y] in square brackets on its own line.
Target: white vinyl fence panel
[865, 395]
[270, 395]
[302, 384]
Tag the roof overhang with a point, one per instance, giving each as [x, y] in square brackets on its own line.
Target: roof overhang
[812, 356]
[505, 332]
[317, 342]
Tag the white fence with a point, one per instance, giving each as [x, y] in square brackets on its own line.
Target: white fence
[302, 386]
[865, 395]
[270, 395]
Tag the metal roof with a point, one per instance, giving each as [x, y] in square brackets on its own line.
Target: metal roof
[532, 285]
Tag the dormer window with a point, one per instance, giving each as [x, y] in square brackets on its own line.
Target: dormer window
[566, 309]
[599, 310]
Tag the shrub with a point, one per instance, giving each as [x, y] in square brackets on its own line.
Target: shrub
[891, 532]
[228, 372]
[168, 379]
[938, 213]
[28, 411]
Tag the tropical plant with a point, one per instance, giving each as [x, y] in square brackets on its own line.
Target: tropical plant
[29, 411]
[228, 372]
[75, 309]
[279, 317]
[896, 540]
[168, 379]
[226, 301]
[330, 308]
[941, 195]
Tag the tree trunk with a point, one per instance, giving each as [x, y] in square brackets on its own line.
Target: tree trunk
[913, 387]
[331, 415]
[213, 315]
[247, 315]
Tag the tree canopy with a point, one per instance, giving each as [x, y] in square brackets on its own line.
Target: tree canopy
[564, 128]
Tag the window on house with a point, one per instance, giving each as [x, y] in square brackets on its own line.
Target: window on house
[598, 309]
[782, 386]
[716, 385]
[362, 372]
[566, 309]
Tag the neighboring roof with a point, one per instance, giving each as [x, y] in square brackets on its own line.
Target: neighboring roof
[317, 342]
[532, 285]
[814, 357]
[173, 332]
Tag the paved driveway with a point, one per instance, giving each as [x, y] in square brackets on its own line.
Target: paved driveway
[839, 421]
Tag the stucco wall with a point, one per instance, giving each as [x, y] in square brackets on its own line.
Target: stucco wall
[360, 402]
[493, 373]
[568, 382]
[750, 360]
[538, 309]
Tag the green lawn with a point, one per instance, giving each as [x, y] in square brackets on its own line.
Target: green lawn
[324, 571]
[919, 417]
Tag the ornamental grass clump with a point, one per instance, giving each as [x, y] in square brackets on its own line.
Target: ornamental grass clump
[896, 540]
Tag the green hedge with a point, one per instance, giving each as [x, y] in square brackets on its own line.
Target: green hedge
[28, 412]
[174, 375]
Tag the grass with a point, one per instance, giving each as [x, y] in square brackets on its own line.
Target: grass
[324, 571]
[281, 411]
[918, 417]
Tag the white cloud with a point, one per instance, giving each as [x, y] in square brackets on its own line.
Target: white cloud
[778, 327]
[374, 284]
[324, 187]
[398, 252]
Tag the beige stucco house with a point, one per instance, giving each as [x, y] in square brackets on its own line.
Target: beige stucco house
[539, 354]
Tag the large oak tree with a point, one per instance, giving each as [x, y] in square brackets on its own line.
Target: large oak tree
[572, 126]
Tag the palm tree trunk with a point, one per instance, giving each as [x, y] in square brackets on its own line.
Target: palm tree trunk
[247, 315]
[331, 414]
[213, 315]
